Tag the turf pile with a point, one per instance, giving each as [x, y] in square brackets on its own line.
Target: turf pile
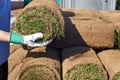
[95, 29]
[81, 63]
[41, 16]
[38, 65]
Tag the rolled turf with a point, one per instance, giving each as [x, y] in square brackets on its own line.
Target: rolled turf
[111, 61]
[41, 65]
[81, 63]
[16, 58]
[12, 75]
[41, 16]
[89, 28]
[94, 33]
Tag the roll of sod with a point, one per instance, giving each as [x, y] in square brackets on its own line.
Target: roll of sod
[12, 75]
[94, 33]
[41, 16]
[71, 12]
[38, 65]
[111, 61]
[16, 58]
[81, 63]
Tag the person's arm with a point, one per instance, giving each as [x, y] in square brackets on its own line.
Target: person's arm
[29, 40]
[4, 36]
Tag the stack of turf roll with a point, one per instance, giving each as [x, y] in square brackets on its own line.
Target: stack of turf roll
[80, 31]
[81, 63]
[41, 16]
[41, 64]
[111, 61]
[17, 56]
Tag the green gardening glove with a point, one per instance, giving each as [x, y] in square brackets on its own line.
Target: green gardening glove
[26, 2]
[28, 39]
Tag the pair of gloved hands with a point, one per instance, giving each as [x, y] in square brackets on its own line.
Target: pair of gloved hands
[28, 40]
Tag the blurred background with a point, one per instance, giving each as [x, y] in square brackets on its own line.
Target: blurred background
[89, 4]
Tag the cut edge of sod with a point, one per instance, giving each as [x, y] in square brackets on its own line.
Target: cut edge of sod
[85, 72]
[40, 72]
[40, 19]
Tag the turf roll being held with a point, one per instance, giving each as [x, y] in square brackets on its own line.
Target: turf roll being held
[111, 61]
[41, 16]
[41, 65]
[81, 63]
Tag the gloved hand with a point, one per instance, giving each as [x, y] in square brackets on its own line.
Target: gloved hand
[28, 40]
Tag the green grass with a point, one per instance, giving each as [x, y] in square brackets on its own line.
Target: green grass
[40, 19]
[85, 72]
[117, 39]
[102, 18]
[38, 72]
[117, 76]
